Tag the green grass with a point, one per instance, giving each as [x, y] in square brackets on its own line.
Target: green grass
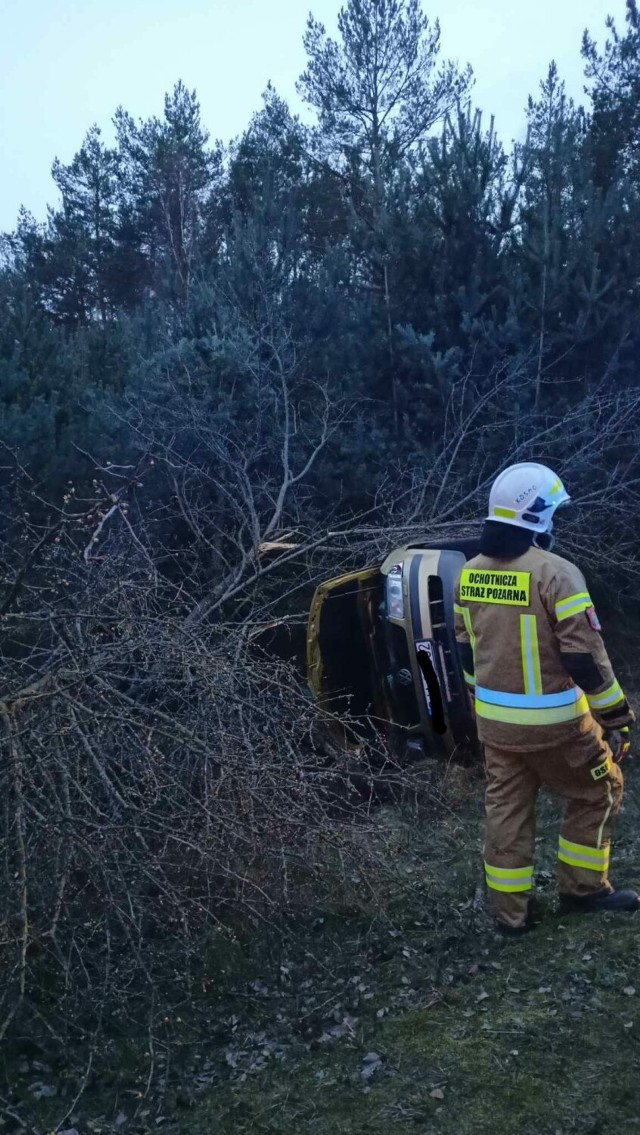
[474, 1033]
[530, 1036]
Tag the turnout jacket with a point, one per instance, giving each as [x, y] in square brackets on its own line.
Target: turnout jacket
[530, 643]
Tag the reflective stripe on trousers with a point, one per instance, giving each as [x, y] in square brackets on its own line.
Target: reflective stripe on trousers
[509, 879]
[579, 855]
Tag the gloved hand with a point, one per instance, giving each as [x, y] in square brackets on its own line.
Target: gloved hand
[619, 742]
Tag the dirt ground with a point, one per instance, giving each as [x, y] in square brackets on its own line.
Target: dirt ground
[423, 1020]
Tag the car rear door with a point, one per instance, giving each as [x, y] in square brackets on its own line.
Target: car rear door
[343, 640]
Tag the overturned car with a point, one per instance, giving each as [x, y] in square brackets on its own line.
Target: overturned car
[382, 657]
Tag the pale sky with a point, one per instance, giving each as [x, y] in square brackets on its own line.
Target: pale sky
[66, 64]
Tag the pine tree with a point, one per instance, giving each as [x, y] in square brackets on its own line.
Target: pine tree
[83, 231]
[378, 91]
[377, 94]
[168, 175]
[615, 77]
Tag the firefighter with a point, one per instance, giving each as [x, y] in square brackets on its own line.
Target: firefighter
[549, 709]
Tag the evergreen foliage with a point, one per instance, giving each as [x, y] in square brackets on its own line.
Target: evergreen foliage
[227, 373]
[389, 253]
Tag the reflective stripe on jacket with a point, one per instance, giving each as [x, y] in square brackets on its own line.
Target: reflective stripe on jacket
[531, 649]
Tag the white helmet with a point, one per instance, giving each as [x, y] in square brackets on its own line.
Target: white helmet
[527, 496]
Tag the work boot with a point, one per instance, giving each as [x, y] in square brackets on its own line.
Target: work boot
[623, 900]
[512, 931]
[534, 916]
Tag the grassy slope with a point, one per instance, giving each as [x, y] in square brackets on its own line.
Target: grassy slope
[475, 1034]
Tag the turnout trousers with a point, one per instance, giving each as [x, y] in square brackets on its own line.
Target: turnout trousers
[513, 782]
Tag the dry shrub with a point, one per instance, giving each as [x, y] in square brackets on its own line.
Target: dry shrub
[160, 778]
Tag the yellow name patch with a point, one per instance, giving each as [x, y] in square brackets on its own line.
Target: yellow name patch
[507, 588]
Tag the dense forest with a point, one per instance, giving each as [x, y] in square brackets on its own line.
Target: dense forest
[228, 371]
[392, 265]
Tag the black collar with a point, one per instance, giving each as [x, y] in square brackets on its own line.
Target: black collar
[504, 541]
